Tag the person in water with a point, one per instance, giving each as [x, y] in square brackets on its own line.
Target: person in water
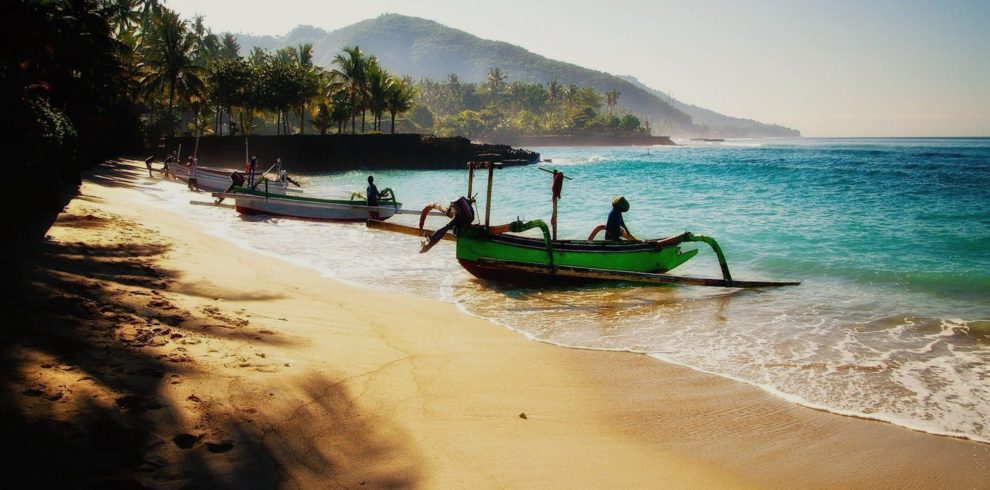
[615, 227]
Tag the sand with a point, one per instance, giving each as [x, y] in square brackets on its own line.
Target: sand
[141, 351]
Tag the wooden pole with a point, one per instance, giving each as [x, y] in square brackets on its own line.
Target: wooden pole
[488, 197]
[553, 219]
[470, 179]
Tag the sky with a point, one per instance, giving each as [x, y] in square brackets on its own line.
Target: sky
[828, 68]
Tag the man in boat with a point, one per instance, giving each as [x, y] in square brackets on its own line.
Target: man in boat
[372, 195]
[236, 180]
[615, 227]
[460, 212]
[283, 175]
[251, 167]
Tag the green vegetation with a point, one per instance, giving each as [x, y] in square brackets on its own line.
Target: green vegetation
[424, 49]
[497, 107]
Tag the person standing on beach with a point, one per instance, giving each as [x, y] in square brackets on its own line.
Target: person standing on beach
[171, 158]
[615, 227]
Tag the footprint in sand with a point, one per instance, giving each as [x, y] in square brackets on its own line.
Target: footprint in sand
[219, 447]
[137, 403]
[186, 441]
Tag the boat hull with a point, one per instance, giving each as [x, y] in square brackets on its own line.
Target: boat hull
[480, 252]
[247, 202]
[216, 179]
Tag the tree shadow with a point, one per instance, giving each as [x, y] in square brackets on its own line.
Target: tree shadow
[89, 349]
[116, 173]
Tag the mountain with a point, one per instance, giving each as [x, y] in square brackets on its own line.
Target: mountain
[423, 48]
[715, 124]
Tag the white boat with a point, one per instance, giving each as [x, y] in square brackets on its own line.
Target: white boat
[248, 201]
[218, 179]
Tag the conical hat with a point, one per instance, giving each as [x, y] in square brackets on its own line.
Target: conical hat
[620, 203]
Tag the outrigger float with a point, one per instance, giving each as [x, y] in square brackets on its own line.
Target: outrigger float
[491, 252]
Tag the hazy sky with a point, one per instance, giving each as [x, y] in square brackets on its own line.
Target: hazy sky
[828, 68]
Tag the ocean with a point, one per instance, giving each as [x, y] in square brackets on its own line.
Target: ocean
[889, 237]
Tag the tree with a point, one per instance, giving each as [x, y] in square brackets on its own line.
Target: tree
[377, 84]
[399, 97]
[229, 49]
[350, 72]
[323, 119]
[311, 81]
[611, 99]
[168, 58]
[495, 83]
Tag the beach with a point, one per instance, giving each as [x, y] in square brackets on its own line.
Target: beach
[147, 352]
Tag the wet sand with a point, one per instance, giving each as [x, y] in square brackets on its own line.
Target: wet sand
[141, 351]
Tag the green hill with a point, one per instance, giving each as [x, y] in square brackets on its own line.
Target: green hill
[423, 48]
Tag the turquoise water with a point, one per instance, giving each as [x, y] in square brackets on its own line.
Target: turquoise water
[890, 237]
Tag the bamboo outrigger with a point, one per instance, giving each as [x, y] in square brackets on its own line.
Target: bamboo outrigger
[497, 252]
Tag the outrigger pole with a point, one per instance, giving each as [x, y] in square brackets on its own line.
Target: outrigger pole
[491, 166]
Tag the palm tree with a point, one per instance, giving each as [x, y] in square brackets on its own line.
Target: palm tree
[122, 14]
[350, 71]
[553, 92]
[311, 80]
[376, 87]
[229, 49]
[323, 119]
[169, 61]
[496, 84]
[399, 97]
[612, 99]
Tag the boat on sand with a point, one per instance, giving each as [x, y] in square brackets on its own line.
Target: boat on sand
[262, 201]
[499, 253]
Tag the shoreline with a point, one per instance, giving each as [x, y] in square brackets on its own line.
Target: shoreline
[441, 393]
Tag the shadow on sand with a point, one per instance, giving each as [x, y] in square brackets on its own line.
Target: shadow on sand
[87, 392]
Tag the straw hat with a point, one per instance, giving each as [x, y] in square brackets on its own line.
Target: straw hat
[620, 203]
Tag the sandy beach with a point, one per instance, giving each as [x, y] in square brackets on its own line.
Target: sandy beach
[144, 352]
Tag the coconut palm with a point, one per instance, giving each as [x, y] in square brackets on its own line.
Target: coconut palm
[312, 76]
[495, 84]
[229, 49]
[553, 92]
[377, 82]
[350, 72]
[323, 119]
[612, 99]
[169, 61]
[399, 97]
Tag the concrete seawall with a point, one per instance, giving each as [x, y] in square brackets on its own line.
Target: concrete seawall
[315, 153]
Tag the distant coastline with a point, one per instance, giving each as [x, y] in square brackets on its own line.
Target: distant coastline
[586, 140]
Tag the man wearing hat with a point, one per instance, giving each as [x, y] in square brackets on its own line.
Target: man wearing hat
[615, 227]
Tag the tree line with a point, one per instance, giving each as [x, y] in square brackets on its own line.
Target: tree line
[496, 107]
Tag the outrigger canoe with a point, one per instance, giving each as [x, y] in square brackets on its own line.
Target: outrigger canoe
[499, 253]
[251, 201]
[218, 179]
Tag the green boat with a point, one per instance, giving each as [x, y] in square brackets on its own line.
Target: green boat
[498, 253]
